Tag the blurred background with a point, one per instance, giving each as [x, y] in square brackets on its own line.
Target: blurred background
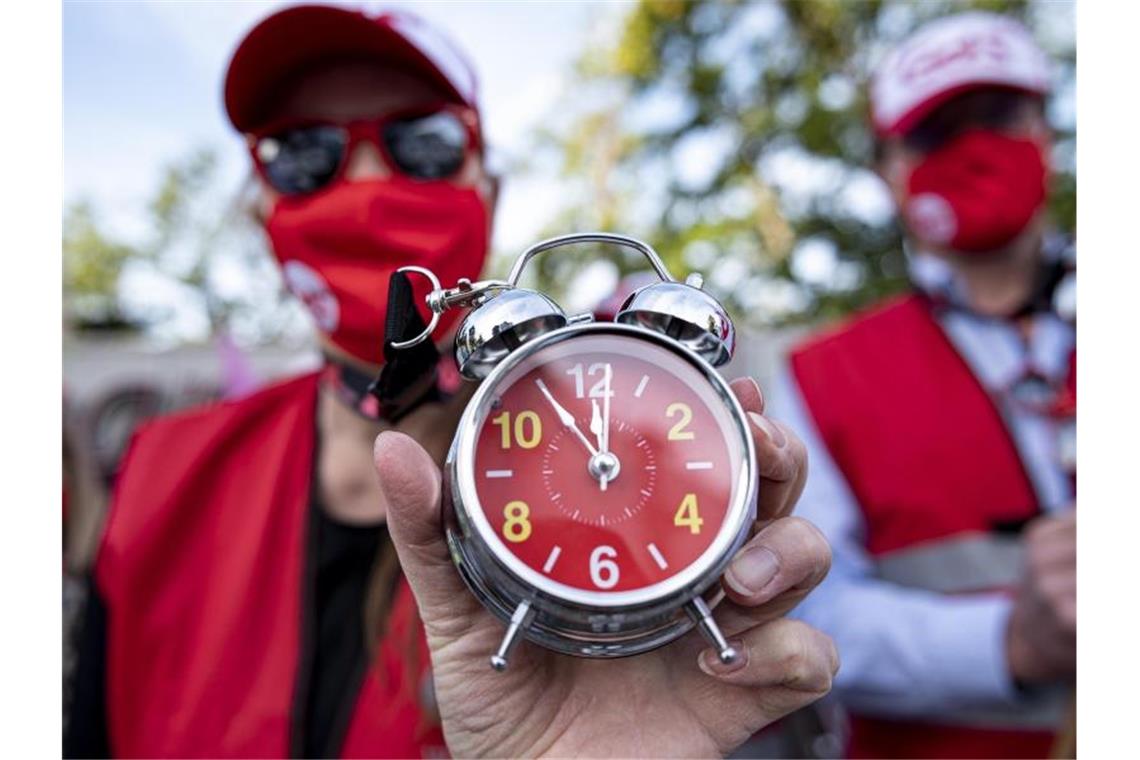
[731, 135]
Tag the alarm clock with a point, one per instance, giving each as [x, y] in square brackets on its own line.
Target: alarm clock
[603, 474]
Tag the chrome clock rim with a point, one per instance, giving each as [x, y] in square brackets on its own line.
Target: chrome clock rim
[675, 590]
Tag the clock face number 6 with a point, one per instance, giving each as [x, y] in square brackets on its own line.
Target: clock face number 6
[604, 572]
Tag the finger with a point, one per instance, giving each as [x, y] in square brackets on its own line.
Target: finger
[748, 393]
[786, 654]
[1052, 528]
[1051, 545]
[776, 569]
[410, 482]
[781, 457]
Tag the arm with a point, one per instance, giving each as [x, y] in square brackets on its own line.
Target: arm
[905, 652]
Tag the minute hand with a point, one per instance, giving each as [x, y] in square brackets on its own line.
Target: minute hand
[566, 418]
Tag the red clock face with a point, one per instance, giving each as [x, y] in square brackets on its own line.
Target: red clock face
[606, 463]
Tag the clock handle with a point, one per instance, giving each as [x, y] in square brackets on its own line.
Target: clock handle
[699, 611]
[623, 241]
[519, 621]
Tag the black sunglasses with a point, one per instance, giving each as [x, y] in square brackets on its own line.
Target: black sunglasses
[301, 158]
[990, 108]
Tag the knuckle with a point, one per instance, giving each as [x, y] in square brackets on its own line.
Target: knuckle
[799, 453]
[812, 545]
[807, 659]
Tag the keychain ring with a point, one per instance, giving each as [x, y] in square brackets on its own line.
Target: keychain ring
[436, 287]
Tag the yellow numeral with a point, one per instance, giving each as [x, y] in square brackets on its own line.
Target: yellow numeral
[517, 526]
[687, 515]
[522, 421]
[678, 431]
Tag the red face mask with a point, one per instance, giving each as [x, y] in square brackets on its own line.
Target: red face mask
[338, 248]
[976, 193]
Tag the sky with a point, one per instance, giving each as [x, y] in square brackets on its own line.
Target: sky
[143, 87]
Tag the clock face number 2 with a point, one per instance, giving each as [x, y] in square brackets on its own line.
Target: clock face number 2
[606, 462]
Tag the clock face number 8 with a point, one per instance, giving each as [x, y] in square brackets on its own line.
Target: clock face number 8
[605, 463]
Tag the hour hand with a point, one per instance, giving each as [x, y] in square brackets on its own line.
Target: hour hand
[596, 426]
[566, 418]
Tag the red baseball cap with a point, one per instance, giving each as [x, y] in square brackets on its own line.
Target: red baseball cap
[949, 56]
[292, 40]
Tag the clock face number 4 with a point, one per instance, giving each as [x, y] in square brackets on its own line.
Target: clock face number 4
[606, 463]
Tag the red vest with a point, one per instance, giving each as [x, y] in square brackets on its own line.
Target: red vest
[935, 471]
[203, 571]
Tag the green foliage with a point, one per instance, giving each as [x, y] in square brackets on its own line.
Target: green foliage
[191, 233]
[92, 263]
[768, 84]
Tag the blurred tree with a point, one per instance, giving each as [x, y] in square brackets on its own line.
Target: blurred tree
[199, 266]
[733, 136]
[92, 264]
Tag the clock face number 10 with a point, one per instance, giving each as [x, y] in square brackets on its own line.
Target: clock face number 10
[605, 463]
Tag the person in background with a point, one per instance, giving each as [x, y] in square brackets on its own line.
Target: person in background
[248, 598]
[940, 424]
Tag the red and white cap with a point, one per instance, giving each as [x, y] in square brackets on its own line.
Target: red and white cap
[949, 56]
[289, 41]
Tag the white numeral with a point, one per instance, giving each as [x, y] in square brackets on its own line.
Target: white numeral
[598, 389]
[604, 572]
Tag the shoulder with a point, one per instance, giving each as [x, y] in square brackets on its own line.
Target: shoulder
[219, 417]
[174, 461]
[873, 324]
[864, 357]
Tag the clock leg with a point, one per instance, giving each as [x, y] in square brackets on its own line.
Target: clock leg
[519, 621]
[699, 611]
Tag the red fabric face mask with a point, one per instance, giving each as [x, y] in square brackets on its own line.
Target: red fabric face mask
[338, 248]
[976, 193]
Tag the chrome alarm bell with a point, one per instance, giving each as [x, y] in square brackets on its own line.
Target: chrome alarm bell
[500, 325]
[686, 314]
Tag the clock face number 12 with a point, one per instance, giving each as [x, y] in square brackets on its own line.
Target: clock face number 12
[605, 463]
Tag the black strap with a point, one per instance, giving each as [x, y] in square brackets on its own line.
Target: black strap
[410, 375]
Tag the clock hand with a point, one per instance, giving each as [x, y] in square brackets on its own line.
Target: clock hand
[604, 444]
[566, 418]
[596, 425]
[599, 432]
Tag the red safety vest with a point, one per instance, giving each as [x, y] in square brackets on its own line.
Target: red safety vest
[203, 571]
[934, 470]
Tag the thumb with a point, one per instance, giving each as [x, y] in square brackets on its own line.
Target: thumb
[410, 482]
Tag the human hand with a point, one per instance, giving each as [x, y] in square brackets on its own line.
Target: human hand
[677, 700]
[1041, 640]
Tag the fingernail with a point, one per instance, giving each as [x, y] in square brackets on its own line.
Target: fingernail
[752, 571]
[709, 661]
[775, 435]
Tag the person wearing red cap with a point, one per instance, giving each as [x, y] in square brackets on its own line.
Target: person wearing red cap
[264, 582]
[940, 424]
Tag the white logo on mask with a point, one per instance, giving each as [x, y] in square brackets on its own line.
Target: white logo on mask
[307, 284]
[931, 218]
